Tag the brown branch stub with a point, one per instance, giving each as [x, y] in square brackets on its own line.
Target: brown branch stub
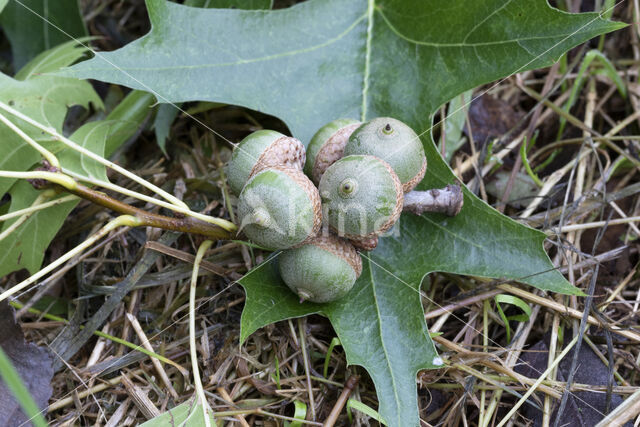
[447, 200]
[185, 224]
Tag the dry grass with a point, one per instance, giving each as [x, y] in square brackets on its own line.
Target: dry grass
[106, 383]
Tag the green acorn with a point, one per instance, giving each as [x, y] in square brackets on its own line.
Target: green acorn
[322, 270]
[327, 146]
[260, 150]
[279, 208]
[361, 196]
[395, 143]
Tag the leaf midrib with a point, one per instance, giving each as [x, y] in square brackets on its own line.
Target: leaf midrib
[382, 343]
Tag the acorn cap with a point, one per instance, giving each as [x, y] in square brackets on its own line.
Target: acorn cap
[364, 243]
[279, 208]
[361, 196]
[322, 270]
[260, 150]
[327, 146]
[394, 142]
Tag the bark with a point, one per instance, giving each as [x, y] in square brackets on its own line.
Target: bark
[447, 200]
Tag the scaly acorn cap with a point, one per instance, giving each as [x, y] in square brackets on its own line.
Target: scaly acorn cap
[327, 146]
[321, 270]
[260, 150]
[395, 143]
[361, 196]
[365, 243]
[279, 208]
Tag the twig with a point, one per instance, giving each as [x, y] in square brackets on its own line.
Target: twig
[537, 383]
[351, 383]
[225, 395]
[185, 225]
[141, 399]
[307, 368]
[623, 413]
[576, 314]
[447, 200]
[156, 363]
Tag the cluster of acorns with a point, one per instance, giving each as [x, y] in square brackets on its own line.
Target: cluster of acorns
[361, 171]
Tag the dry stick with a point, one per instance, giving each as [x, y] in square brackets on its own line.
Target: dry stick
[552, 353]
[227, 225]
[530, 129]
[623, 413]
[576, 354]
[558, 174]
[156, 363]
[537, 383]
[463, 367]
[58, 404]
[494, 365]
[121, 221]
[307, 368]
[595, 224]
[351, 383]
[229, 400]
[50, 281]
[522, 332]
[462, 303]
[70, 340]
[576, 314]
[140, 399]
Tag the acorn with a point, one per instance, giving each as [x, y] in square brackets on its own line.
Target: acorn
[395, 143]
[260, 150]
[327, 146]
[361, 196]
[279, 208]
[322, 270]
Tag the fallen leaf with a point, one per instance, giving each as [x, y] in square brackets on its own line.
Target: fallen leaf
[33, 363]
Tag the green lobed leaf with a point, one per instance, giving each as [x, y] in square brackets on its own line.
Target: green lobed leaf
[165, 116]
[25, 247]
[54, 59]
[379, 322]
[33, 26]
[361, 59]
[45, 99]
[454, 124]
[104, 136]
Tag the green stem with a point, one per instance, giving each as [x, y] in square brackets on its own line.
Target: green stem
[35, 207]
[49, 156]
[51, 131]
[185, 225]
[121, 221]
[101, 334]
[222, 223]
[197, 381]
